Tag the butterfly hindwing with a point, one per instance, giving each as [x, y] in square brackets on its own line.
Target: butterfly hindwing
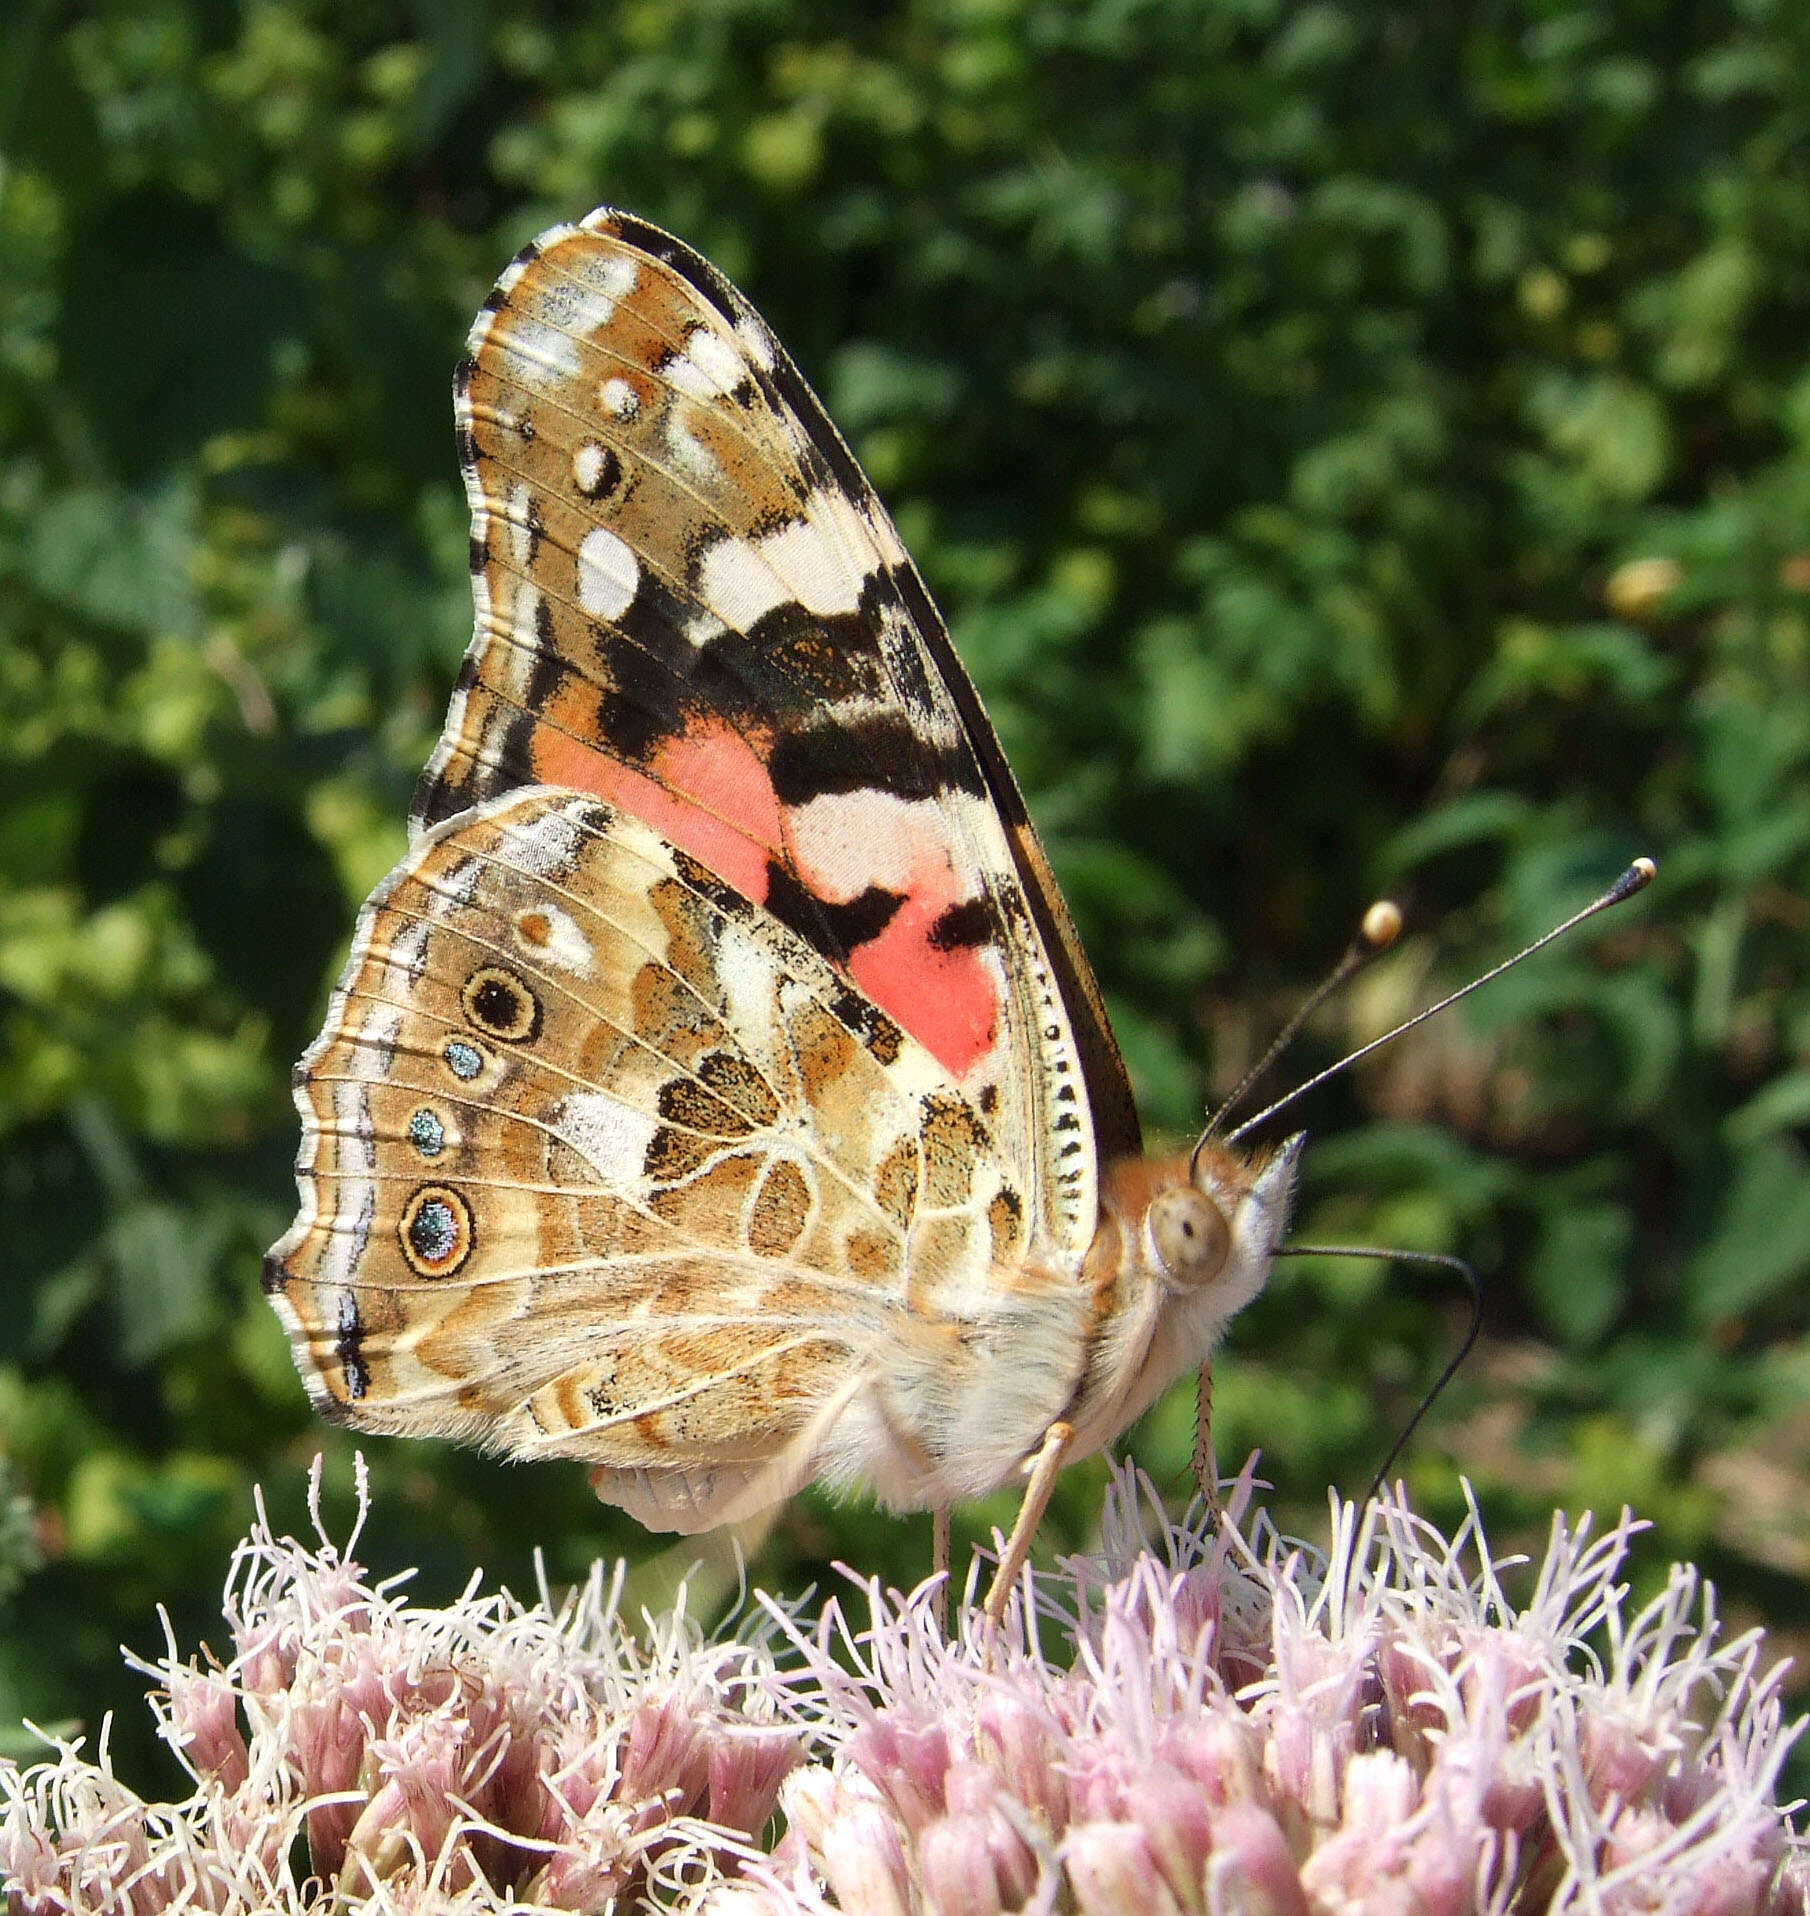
[603, 1160]
[691, 603]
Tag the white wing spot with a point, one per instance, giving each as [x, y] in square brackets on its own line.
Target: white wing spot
[611, 274]
[811, 556]
[408, 951]
[846, 841]
[570, 306]
[524, 641]
[619, 399]
[757, 340]
[739, 584]
[459, 886]
[539, 354]
[689, 453]
[609, 574]
[707, 368]
[702, 627]
[552, 937]
[813, 561]
[520, 510]
[548, 847]
[716, 359]
[352, 1126]
[747, 978]
[683, 376]
[587, 465]
[611, 1137]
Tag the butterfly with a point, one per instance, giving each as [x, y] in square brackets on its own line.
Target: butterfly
[717, 1091]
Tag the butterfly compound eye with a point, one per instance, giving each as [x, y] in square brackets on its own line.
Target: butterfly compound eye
[1188, 1237]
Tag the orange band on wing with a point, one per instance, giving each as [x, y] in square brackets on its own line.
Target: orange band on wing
[712, 797]
[945, 999]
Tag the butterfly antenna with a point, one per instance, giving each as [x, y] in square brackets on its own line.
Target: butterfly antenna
[1439, 1261]
[1380, 928]
[1636, 878]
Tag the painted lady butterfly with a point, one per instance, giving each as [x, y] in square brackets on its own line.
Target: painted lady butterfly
[717, 1092]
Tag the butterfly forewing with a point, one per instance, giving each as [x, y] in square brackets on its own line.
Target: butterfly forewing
[691, 602]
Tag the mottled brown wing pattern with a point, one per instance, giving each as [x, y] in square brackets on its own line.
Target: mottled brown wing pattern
[601, 1160]
[690, 602]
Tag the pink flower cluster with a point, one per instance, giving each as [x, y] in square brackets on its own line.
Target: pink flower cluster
[361, 1754]
[1240, 1727]
[1199, 1721]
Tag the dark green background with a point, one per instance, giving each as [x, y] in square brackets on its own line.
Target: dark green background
[1358, 447]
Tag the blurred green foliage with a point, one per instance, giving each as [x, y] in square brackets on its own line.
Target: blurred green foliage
[1358, 446]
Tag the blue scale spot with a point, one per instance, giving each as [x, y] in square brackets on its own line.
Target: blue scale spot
[427, 1133]
[434, 1232]
[463, 1060]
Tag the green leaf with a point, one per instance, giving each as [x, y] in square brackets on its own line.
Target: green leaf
[1759, 1246]
[1577, 1274]
[1781, 1105]
[118, 558]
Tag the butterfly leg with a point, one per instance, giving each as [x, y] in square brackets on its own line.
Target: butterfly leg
[1044, 1467]
[1206, 1468]
[939, 1563]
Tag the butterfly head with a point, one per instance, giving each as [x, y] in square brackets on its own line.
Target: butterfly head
[1203, 1227]
[1212, 1235]
[1185, 1244]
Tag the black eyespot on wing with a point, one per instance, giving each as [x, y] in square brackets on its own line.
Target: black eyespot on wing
[464, 1061]
[427, 1131]
[600, 475]
[435, 1231]
[501, 1005]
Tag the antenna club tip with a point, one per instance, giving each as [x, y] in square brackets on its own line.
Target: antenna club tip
[1637, 877]
[1382, 924]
